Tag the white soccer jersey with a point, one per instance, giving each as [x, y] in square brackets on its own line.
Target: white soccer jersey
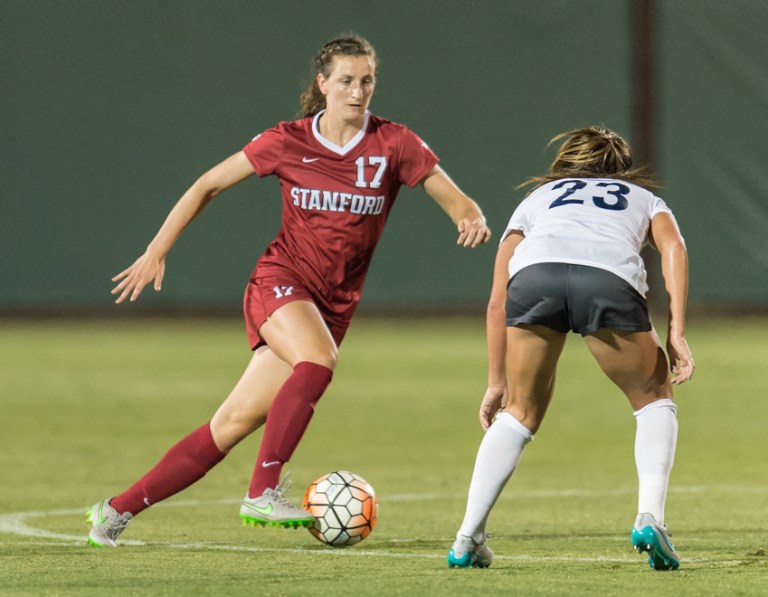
[599, 222]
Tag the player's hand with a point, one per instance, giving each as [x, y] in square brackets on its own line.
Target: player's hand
[495, 399]
[473, 232]
[147, 268]
[680, 359]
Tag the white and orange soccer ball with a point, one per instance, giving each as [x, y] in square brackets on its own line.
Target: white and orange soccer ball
[345, 508]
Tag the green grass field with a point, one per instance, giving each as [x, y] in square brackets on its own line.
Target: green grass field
[87, 406]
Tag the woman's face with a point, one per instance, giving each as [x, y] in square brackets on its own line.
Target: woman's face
[349, 86]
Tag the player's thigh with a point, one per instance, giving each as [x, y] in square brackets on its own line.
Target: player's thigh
[634, 361]
[532, 355]
[296, 332]
[246, 407]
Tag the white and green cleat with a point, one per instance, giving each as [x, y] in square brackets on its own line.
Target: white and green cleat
[649, 536]
[107, 524]
[273, 509]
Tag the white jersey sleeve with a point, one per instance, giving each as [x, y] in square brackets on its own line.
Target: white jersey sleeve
[599, 222]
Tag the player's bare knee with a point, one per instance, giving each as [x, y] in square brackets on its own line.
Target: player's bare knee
[641, 397]
[230, 431]
[333, 358]
[327, 357]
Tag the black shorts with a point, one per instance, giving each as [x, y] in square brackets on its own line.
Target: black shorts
[565, 297]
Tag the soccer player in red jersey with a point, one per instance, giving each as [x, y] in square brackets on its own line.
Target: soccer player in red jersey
[340, 169]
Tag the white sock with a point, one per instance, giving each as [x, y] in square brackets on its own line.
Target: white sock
[497, 458]
[655, 441]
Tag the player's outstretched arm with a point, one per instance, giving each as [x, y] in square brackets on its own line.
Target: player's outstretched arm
[674, 269]
[150, 267]
[497, 393]
[462, 210]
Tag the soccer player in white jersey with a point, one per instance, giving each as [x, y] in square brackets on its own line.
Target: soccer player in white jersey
[340, 169]
[569, 260]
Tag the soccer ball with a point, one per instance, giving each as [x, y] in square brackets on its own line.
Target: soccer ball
[345, 508]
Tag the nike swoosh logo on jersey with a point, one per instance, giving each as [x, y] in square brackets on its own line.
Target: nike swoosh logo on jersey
[308, 160]
[266, 464]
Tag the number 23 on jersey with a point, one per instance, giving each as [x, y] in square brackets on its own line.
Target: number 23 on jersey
[613, 198]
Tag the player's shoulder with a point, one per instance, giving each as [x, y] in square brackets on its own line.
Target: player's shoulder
[295, 127]
[284, 128]
[379, 124]
[396, 135]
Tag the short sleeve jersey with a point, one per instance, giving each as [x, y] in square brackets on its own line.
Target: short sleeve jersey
[336, 200]
[599, 222]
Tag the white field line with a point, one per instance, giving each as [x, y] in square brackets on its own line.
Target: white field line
[16, 524]
[510, 494]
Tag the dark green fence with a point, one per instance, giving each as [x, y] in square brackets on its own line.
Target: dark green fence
[110, 109]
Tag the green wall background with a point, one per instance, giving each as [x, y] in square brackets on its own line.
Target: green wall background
[714, 144]
[111, 109]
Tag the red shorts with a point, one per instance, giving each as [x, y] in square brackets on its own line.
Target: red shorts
[264, 294]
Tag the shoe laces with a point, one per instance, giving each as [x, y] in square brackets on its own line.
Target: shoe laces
[278, 493]
[116, 525]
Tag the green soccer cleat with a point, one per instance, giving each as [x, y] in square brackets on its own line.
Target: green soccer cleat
[107, 524]
[648, 535]
[467, 553]
[273, 509]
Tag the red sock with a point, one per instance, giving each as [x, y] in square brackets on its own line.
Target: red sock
[287, 420]
[182, 465]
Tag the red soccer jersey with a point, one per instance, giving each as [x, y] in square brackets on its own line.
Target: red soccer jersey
[335, 200]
